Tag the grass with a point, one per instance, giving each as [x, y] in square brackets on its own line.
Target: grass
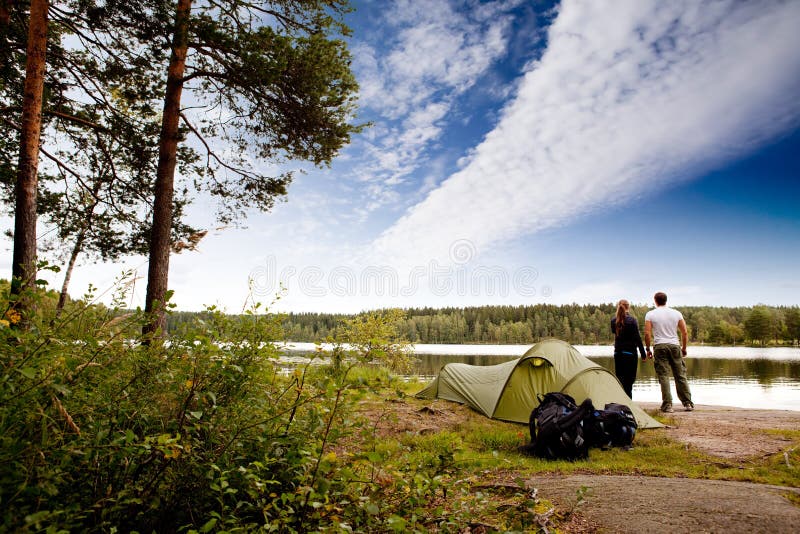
[476, 443]
[466, 469]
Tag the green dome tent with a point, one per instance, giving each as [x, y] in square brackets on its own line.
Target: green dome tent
[508, 391]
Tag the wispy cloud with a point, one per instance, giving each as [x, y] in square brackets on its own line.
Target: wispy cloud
[409, 82]
[625, 100]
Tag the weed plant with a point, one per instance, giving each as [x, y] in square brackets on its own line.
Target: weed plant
[102, 430]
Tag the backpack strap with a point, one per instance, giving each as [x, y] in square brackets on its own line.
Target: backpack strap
[578, 415]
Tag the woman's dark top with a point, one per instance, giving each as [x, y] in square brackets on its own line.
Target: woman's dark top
[629, 338]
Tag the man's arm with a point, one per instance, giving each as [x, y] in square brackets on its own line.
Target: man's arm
[648, 336]
[684, 336]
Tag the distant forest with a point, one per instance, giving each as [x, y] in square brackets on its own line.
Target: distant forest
[577, 324]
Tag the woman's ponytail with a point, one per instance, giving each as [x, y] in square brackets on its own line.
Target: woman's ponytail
[622, 310]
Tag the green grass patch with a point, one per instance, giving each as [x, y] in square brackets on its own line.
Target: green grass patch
[503, 438]
[785, 433]
[484, 443]
[793, 498]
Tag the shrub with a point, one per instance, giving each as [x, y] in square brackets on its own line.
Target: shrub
[101, 432]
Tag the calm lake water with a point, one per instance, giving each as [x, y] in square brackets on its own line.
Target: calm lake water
[745, 377]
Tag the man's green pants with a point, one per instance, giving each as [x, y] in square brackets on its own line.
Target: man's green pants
[668, 357]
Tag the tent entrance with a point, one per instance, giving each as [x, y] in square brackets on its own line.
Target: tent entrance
[518, 398]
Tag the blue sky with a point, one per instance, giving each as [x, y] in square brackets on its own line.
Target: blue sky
[526, 152]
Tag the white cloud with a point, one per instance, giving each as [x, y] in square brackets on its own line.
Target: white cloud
[625, 100]
[435, 53]
[436, 49]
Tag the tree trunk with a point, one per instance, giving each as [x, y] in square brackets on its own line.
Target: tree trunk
[160, 239]
[23, 270]
[5, 14]
[76, 249]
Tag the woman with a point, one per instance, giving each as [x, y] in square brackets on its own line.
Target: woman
[626, 341]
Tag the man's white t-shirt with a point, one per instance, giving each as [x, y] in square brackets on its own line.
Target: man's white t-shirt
[665, 325]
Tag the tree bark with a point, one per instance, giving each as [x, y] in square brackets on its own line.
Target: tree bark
[5, 14]
[23, 270]
[76, 249]
[160, 238]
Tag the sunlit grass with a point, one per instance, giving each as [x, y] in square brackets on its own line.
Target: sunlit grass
[477, 442]
[784, 433]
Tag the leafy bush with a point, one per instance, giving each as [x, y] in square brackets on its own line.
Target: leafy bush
[101, 431]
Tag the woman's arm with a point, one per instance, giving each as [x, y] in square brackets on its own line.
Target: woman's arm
[639, 339]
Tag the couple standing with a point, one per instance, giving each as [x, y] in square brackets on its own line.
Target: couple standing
[661, 326]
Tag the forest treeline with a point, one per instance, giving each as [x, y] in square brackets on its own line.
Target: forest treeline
[577, 324]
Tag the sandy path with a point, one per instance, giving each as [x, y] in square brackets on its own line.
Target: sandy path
[638, 504]
[730, 432]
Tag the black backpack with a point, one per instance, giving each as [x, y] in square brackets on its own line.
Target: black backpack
[614, 426]
[556, 427]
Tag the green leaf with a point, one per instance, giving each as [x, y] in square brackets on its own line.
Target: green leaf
[397, 523]
[209, 525]
[27, 372]
[38, 516]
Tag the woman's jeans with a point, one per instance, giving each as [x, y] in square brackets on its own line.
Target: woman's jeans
[625, 366]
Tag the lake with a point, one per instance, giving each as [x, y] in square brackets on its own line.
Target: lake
[744, 377]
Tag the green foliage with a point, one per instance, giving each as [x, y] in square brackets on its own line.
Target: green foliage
[758, 325]
[209, 433]
[371, 376]
[203, 433]
[99, 125]
[100, 432]
[372, 337]
[792, 325]
[577, 324]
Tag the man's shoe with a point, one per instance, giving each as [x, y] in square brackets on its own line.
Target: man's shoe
[667, 408]
[688, 406]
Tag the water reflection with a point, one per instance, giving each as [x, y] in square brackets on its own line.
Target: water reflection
[745, 383]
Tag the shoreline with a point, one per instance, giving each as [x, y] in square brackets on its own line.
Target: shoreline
[650, 406]
[517, 350]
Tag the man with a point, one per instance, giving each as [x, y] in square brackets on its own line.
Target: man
[661, 326]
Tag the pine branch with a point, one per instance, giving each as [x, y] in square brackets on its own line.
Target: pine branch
[210, 154]
[77, 120]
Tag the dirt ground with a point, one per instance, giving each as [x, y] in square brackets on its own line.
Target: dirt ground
[635, 504]
[723, 431]
[651, 504]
